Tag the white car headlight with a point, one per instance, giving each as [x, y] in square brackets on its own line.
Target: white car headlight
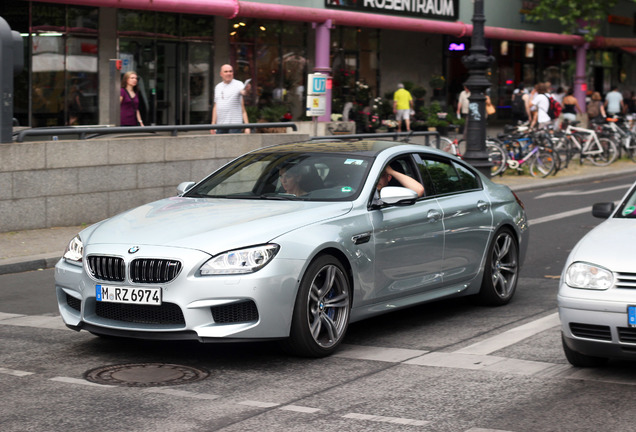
[74, 251]
[588, 276]
[240, 261]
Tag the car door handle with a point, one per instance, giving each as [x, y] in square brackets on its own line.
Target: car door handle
[483, 206]
[359, 239]
[433, 215]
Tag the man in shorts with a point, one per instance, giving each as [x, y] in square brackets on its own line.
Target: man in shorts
[402, 106]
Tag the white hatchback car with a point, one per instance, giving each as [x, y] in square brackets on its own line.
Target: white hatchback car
[597, 292]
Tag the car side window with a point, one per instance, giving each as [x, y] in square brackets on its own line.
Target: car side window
[446, 176]
[467, 178]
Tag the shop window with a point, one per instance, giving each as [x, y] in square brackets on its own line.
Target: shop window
[138, 23]
[196, 27]
[272, 54]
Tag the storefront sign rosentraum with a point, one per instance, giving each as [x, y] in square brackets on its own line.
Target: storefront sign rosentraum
[433, 9]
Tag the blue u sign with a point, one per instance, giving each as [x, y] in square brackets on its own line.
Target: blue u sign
[319, 85]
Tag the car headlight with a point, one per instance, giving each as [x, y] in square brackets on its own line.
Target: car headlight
[588, 276]
[74, 251]
[240, 261]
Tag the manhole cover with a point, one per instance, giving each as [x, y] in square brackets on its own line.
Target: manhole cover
[145, 375]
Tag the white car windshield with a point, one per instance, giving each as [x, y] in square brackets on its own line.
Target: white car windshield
[628, 206]
[289, 176]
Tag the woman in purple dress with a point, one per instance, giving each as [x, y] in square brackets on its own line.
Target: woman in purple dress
[129, 101]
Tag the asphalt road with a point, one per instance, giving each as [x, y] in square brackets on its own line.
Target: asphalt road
[446, 366]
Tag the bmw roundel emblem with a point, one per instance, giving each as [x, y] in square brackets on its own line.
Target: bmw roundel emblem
[133, 249]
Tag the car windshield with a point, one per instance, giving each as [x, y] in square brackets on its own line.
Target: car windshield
[628, 206]
[287, 176]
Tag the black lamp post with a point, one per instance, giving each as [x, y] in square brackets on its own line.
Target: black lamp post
[477, 62]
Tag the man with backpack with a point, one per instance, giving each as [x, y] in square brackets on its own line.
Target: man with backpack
[541, 103]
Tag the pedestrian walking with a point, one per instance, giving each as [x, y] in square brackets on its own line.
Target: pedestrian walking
[596, 109]
[402, 106]
[229, 106]
[129, 100]
[614, 102]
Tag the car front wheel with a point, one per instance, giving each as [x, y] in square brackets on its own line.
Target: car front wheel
[321, 313]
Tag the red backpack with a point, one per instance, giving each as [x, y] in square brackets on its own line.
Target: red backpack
[554, 109]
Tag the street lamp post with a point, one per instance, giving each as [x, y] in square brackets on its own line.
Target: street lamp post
[477, 62]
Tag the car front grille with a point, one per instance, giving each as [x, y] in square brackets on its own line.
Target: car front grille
[626, 280]
[167, 313]
[234, 313]
[152, 271]
[627, 334]
[142, 270]
[107, 268]
[590, 331]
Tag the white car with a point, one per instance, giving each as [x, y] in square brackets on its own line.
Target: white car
[597, 292]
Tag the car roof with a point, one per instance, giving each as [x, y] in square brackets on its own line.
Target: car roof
[363, 147]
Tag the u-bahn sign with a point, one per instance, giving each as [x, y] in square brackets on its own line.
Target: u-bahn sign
[447, 10]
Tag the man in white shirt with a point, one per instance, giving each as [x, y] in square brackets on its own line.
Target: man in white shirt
[229, 107]
[541, 103]
[614, 102]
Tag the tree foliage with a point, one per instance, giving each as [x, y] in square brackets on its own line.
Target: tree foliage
[576, 16]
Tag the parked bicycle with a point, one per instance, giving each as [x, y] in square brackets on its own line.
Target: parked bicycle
[617, 130]
[541, 161]
[586, 144]
[496, 155]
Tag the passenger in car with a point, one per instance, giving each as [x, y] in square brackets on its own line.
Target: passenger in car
[404, 180]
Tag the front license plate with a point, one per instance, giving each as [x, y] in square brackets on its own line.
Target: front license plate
[631, 316]
[134, 295]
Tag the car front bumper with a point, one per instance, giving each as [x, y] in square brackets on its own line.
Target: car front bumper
[596, 327]
[206, 308]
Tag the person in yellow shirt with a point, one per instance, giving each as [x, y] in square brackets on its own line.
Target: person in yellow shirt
[402, 106]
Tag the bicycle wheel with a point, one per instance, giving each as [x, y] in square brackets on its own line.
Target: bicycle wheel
[631, 152]
[447, 145]
[564, 147]
[607, 156]
[543, 163]
[497, 157]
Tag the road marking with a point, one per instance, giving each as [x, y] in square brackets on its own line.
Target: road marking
[396, 420]
[14, 372]
[79, 381]
[580, 192]
[39, 321]
[488, 363]
[512, 336]
[181, 393]
[300, 409]
[258, 404]
[392, 355]
[557, 216]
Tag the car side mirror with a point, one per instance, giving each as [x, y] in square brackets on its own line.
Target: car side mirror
[603, 210]
[184, 187]
[395, 195]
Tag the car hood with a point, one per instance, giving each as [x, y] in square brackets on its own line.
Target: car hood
[210, 225]
[610, 244]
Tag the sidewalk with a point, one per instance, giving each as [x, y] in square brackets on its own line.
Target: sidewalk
[42, 248]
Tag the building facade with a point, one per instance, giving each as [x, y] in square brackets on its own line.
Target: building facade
[177, 49]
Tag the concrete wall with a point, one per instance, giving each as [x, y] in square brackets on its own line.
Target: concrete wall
[64, 183]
